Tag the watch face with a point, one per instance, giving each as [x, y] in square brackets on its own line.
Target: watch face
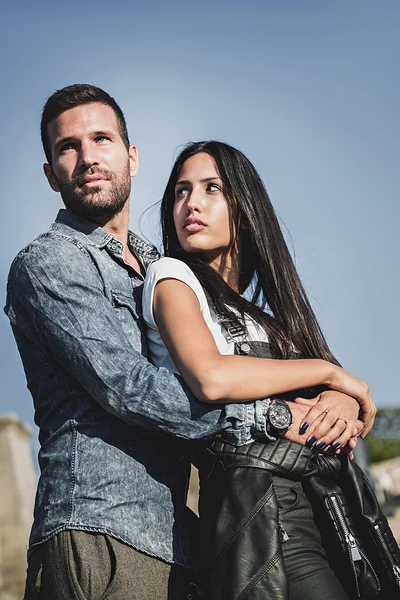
[279, 416]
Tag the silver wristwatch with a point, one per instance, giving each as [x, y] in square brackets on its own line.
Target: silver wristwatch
[278, 418]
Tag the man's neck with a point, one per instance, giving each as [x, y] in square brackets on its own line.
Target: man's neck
[118, 227]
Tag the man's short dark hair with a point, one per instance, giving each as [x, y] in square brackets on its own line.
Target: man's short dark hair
[77, 95]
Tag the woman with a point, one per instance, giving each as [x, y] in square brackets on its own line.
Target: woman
[221, 235]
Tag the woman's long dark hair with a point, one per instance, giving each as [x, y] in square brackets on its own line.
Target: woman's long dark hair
[290, 322]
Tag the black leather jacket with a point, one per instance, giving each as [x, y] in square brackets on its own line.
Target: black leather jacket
[240, 532]
[241, 535]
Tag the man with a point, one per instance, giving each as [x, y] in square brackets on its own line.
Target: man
[110, 517]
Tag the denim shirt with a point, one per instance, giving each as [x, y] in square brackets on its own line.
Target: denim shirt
[113, 428]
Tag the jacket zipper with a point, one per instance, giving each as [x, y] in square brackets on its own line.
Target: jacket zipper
[354, 551]
[284, 534]
[386, 550]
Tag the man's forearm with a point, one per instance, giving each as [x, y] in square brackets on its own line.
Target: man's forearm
[73, 322]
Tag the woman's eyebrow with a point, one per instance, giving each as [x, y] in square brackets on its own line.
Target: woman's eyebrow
[204, 180]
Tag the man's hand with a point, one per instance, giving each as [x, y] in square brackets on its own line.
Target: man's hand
[309, 436]
[331, 421]
[299, 411]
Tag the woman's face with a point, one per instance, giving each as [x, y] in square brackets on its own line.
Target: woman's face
[201, 211]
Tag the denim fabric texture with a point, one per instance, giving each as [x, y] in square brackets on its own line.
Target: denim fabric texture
[112, 426]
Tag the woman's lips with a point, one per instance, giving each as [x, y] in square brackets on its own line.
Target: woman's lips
[194, 227]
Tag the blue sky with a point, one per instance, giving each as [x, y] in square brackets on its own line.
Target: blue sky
[308, 90]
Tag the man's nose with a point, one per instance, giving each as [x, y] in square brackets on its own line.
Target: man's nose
[87, 156]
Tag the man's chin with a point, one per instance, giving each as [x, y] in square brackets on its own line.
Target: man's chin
[95, 211]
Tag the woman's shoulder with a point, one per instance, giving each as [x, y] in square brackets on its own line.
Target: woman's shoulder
[169, 267]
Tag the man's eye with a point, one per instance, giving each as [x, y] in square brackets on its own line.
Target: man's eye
[102, 138]
[66, 147]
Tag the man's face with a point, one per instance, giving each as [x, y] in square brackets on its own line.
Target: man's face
[91, 166]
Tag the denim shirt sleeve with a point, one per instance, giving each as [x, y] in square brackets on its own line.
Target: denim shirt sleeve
[71, 319]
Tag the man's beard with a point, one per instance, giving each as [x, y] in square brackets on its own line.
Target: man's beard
[95, 202]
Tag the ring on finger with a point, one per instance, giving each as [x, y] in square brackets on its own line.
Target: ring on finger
[342, 419]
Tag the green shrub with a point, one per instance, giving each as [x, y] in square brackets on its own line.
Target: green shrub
[382, 448]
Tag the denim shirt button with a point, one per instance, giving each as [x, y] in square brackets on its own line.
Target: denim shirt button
[116, 246]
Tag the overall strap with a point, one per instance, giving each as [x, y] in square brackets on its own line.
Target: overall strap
[237, 332]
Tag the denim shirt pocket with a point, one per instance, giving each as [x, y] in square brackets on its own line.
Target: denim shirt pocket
[122, 300]
[129, 312]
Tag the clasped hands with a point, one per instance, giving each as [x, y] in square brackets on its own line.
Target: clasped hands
[330, 422]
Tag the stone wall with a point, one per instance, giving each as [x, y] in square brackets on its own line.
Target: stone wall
[17, 491]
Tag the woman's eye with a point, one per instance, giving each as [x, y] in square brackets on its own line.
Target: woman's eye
[181, 192]
[213, 187]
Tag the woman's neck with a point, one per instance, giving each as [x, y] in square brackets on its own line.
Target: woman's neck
[227, 266]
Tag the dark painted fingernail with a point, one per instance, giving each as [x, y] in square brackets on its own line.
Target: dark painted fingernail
[336, 445]
[311, 441]
[303, 428]
[320, 445]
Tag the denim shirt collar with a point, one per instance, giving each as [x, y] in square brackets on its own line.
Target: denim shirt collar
[100, 238]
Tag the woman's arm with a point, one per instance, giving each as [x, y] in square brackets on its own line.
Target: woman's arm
[225, 378]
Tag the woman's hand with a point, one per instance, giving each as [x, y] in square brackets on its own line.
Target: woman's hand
[344, 382]
[331, 422]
